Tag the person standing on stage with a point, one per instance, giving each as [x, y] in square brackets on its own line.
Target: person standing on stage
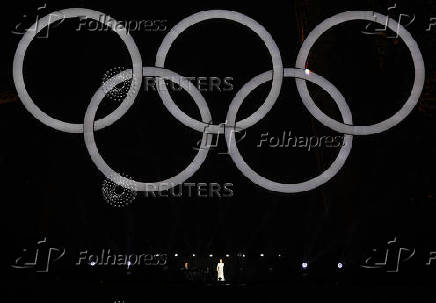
[220, 270]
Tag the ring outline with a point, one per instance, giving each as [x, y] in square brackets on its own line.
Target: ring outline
[115, 177]
[379, 127]
[58, 124]
[241, 19]
[282, 187]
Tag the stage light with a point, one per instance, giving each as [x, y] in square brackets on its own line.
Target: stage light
[92, 263]
[227, 255]
[193, 255]
[243, 256]
[211, 255]
[279, 255]
[304, 265]
[176, 255]
[340, 265]
[261, 255]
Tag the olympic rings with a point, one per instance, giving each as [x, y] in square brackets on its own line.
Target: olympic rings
[116, 177]
[55, 123]
[276, 75]
[255, 27]
[280, 187]
[418, 63]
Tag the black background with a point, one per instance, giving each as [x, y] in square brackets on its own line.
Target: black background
[386, 189]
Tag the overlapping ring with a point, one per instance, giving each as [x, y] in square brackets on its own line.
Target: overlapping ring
[276, 75]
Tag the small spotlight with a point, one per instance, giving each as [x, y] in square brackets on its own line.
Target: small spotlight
[279, 255]
[262, 255]
[304, 265]
[243, 256]
[307, 71]
[193, 255]
[340, 265]
[211, 255]
[176, 255]
[227, 255]
[92, 263]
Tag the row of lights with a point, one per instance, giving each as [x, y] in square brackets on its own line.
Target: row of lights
[210, 256]
[304, 265]
[227, 255]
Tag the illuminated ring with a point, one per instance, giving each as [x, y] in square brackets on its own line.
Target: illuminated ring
[398, 116]
[58, 124]
[116, 177]
[255, 27]
[280, 187]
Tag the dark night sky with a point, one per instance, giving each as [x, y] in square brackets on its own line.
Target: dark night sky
[386, 189]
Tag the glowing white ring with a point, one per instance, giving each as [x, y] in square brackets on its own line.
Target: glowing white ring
[398, 116]
[116, 177]
[280, 187]
[255, 27]
[58, 124]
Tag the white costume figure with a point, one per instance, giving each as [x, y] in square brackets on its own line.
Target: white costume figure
[220, 270]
